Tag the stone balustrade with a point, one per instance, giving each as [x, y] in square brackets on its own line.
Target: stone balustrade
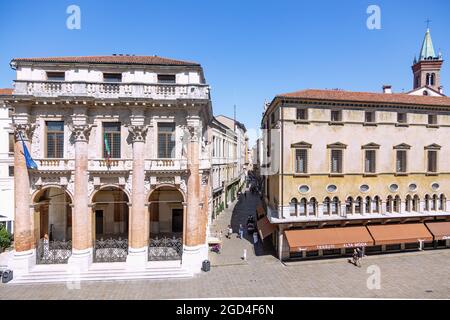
[55, 89]
[165, 164]
[55, 164]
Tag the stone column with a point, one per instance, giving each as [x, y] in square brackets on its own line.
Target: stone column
[82, 252]
[24, 247]
[194, 249]
[139, 217]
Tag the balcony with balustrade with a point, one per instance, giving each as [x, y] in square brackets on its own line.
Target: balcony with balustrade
[103, 90]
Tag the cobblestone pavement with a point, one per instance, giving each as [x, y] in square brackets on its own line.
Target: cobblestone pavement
[404, 275]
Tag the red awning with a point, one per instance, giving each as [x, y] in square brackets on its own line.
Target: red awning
[265, 228]
[440, 230]
[328, 238]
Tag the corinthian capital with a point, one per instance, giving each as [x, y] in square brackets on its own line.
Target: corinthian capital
[81, 132]
[138, 133]
[23, 130]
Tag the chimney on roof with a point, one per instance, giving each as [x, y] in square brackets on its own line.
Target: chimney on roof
[387, 88]
[441, 90]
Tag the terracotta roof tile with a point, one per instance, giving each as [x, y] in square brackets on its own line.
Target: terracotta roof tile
[367, 97]
[114, 59]
[6, 91]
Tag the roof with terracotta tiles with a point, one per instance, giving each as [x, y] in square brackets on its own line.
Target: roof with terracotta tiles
[113, 59]
[6, 91]
[367, 97]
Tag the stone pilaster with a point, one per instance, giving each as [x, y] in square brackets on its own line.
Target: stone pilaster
[82, 215]
[139, 218]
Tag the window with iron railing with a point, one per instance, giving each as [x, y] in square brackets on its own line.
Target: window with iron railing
[55, 139]
[166, 140]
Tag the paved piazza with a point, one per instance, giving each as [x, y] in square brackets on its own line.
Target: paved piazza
[404, 275]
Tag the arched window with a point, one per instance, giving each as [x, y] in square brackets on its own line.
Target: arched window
[326, 206]
[302, 208]
[368, 205]
[397, 202]
[442, 201]
[434, 203]
[427, 202]
[376, 204]
[358, 205]
[415, 203]
[335, 206]
[312, 207]
[389, 204]
[349, 205]
[433, 79]
[293, 207]
[408, 203]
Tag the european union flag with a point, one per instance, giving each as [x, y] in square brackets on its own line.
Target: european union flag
[28, 159]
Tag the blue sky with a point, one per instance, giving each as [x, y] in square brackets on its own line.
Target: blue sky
[250, 50]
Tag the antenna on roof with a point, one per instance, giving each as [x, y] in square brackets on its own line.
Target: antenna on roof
[234, 117]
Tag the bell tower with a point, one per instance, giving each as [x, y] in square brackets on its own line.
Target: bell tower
[428, 68]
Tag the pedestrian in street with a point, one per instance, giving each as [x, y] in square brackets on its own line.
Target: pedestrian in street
[255, 237]
[241, 231]
[245, 194]
[230, 231]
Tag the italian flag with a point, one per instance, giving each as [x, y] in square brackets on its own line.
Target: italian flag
[108, 150]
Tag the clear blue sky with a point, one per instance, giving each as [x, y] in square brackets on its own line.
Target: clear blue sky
[250, 50]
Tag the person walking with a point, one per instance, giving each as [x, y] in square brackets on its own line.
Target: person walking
[229, 231]
[255, 237]
[241, 231]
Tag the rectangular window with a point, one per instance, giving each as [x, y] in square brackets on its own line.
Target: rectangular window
[401, 117]
[301, 161]
[111, 140]
[11, 171]
[336, 161]
[401, 161]
[11, 142]
[55, 139]
[166, 78]
[432, 119]
[369, 116]
[302, 114]
[56, 76]
[370, 161]
[336, 115]
[112, 77]
[432, 161]
[166, 140]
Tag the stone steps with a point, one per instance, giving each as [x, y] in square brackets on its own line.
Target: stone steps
[102, 272]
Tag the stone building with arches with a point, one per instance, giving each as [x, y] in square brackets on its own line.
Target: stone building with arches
[122, 150]
[344, 169]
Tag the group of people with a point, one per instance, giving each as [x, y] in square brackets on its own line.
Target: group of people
[251, 229]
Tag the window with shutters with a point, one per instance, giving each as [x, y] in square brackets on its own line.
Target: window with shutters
[370, 161]
[166, 140]
[336, 161]
[11, 142]
[301, 161]
[111, 140]
[302, 114]
[401, 161]
[55, 139]
[432, 161]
